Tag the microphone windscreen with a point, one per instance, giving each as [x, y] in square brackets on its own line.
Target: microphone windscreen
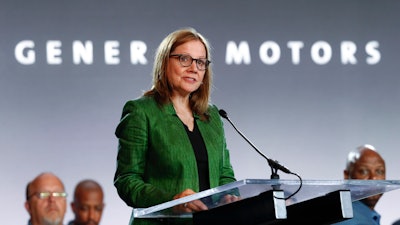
[223, 113]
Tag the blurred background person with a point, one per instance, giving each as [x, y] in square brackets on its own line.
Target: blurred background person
[46, 200]
[88, 203]
[367, 164]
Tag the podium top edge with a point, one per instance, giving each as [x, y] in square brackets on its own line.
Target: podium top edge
[319, 182]
[256, 186]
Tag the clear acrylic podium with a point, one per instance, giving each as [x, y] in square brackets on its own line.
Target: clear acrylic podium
[262, 201]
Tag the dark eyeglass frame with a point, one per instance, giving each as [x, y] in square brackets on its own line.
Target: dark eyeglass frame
[46, 195]
[199, 61]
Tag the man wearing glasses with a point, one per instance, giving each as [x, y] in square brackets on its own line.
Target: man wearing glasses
[46, 200]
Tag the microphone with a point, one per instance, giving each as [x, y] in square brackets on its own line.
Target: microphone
[275, 166]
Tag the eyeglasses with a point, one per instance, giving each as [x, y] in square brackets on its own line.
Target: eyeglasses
[46, 195]
[187, 60]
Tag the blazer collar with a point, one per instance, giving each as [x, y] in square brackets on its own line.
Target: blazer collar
[169, 108]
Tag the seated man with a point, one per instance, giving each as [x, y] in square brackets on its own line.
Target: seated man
[365, 163]
[87, 205]
[46, 200]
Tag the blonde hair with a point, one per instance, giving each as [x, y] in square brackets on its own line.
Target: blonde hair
[162, 90]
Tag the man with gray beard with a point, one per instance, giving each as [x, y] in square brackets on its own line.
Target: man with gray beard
[46, 200]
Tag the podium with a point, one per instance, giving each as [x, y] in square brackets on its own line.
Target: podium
[264, 201]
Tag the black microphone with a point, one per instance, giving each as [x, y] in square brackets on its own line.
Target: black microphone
[272, 163]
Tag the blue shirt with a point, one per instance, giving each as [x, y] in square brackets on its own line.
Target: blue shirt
[362, 215]
[397, 222]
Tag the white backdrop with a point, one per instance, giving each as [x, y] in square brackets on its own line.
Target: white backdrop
[306, 81]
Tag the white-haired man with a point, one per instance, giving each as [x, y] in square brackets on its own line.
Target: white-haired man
[367, 164]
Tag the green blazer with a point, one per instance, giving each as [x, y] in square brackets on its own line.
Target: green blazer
[155, 157]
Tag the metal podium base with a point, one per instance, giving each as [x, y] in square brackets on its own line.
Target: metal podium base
[259, 209]
[331, 208]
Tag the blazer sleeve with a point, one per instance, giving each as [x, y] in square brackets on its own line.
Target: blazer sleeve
[132, 134]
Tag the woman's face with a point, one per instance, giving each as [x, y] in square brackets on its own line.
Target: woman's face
[185, 80]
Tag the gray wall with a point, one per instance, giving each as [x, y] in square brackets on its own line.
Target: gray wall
[306, 107]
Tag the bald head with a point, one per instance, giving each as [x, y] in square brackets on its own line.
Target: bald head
[366, 164]
[86, 186]
[88, 203]
[45, 200]
[42, 179]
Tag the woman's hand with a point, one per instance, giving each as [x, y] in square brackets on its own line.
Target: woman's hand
[192, 206]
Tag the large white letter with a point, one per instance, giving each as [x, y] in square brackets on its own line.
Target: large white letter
[326, 52]
[237, 55]
[347, 52]
[295, 46]
[138, 49]
[111, 52]
[374, 54]
[82, 52]
[30, 57]
[275, 52]
[53, 50]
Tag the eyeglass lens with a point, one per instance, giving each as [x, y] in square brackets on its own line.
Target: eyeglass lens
[45, 195]
[187, 60]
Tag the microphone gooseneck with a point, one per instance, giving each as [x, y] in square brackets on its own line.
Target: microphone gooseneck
[275, 166]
